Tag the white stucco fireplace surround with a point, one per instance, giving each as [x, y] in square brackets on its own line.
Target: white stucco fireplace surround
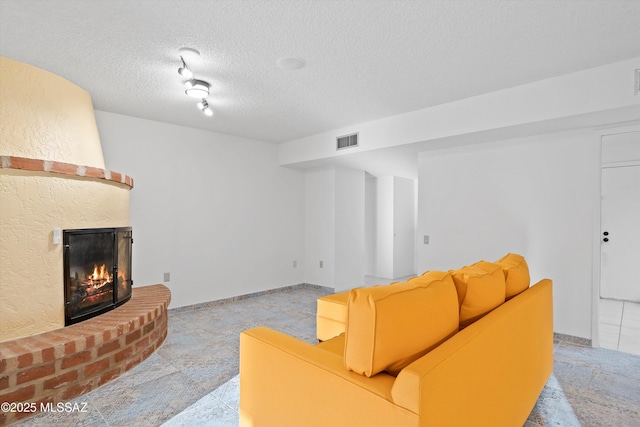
[53, 177]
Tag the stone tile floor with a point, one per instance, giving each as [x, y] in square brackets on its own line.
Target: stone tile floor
[192, 379]
[619, 325]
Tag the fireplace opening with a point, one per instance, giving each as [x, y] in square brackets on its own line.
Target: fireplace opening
[97, 271]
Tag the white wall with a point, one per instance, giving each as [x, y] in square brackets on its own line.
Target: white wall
[384, 227]
[214, 210]
[536, 196]
[370, 224]
[349, 231]
[395, 231]
[404, 200]
[319, 236]
[334, 227]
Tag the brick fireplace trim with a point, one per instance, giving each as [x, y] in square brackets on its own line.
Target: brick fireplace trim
[60, 365]
[38, 165]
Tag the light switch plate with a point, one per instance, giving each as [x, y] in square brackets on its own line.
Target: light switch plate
[56, 236]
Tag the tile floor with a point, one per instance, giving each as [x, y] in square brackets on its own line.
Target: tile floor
[620, 325]
[192, 379]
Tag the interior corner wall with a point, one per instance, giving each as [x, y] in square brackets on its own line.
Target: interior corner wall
[384, 227]
[350, 228]
[320, 238]
[395, 230]
[335, 227]
[404, 200]
[214, 210]
[370, 225]
[536, 196]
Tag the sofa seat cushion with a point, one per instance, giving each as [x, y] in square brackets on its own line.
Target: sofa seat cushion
[389, 327]
[331, 315]
[480, 288]
[516, 273]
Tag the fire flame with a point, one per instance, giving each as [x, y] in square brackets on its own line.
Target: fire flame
[99, 278]
[102, 274]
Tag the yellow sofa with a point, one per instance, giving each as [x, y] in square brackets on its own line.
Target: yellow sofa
[331, 312]
[489, 373]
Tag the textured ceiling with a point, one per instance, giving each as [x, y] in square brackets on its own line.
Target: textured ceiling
[365, 59]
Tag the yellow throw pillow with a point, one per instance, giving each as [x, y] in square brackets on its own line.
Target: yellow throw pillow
[426, 278]
[388, 327]
[516, 273]
[480, 290]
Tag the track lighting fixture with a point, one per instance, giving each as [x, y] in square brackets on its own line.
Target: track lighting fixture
[194, 87]
[204, 107]
[184, 71]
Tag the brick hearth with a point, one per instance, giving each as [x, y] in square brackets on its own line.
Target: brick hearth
[60, 365]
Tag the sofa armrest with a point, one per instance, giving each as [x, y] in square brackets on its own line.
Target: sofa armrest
[287, 382]
[331, 315]
[490, 373]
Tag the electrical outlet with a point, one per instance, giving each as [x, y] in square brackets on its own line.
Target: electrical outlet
[321, 264]
[426, 240]
[295, 264]
[167, 277]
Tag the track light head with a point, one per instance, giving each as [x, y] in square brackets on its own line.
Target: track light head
[204, 107]
[196, 88]
[184, 71]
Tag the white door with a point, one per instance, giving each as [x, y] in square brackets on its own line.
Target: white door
[620, 233]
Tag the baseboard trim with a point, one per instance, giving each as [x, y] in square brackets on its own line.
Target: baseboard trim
[570, 339]
[209, 304]
[321, 288]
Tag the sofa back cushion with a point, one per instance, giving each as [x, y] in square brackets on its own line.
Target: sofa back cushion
[480, 288]
[388, 327]
[516, 273]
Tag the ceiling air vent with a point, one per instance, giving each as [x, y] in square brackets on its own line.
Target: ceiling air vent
[347, 141]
